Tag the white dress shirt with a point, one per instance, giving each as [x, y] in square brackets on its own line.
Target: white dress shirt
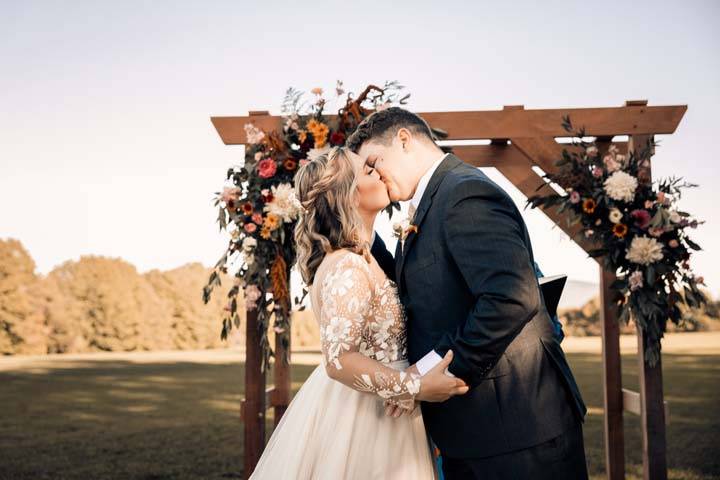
[432, 358]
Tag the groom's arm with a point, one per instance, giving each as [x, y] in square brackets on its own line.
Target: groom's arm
[485, 239]
[383, 256]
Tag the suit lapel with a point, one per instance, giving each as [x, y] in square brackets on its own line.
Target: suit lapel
[450, 162]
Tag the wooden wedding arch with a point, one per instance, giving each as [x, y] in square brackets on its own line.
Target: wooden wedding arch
[520, 139]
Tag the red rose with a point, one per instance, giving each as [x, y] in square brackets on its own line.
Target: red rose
[267, 168]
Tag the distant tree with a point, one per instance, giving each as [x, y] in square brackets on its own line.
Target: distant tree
[21, 317]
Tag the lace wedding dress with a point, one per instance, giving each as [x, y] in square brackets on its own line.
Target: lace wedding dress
[335, 427]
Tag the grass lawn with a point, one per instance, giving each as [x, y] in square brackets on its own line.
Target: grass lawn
[116, 419]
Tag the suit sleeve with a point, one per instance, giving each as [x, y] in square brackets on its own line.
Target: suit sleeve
[484, 234]
[383, 256]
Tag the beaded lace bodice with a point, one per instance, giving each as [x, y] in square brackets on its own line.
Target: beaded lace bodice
[362, 328]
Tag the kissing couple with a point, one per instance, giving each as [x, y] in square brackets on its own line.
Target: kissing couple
[454, 322]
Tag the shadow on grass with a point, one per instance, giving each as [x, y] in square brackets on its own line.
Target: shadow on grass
[116, 419]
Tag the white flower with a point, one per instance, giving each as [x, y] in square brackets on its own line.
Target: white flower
[615, 215]
[313, 153]
[284, 204]
[342, 283]
[248, 244]
[621, 186]
[644, 250]
[253, 134]
[337, 330]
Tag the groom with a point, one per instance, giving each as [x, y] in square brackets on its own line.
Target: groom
[465, 276]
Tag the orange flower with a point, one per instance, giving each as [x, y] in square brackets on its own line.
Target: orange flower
[272, 221]
[319, 132]
[589, 205]
[265, 232]
[302, 136]
[620, 230]
[290, 164]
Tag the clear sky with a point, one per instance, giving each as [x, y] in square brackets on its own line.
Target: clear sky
[106, 146]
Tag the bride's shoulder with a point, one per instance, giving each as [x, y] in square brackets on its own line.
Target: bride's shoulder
[344, 260]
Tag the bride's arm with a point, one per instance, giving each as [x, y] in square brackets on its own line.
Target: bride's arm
[345, 306]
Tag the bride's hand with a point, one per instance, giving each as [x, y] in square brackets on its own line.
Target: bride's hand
[436, 386]
[392, 410]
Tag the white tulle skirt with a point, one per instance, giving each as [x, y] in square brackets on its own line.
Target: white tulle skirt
[332, 432]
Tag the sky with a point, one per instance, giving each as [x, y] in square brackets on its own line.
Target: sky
[106, 145]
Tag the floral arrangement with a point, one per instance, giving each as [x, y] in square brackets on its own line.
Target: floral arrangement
[260, 209]
[637, 227]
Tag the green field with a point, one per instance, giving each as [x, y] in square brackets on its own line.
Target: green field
[115, 419]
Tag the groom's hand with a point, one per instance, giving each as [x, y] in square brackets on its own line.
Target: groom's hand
[436, 386]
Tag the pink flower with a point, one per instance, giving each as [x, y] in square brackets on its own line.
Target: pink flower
[610, 164]
[589, 233]
[257, 218]
[304, 162]
[250, 227]
[258, 156]
[252, 295]
[267, 168]
[641, 217]
[673, 243]
[636, 280]
[661, 197]
[230, 194]
[597, 172]
[574, 197]
[278, 329]
[649, 204]
[656, 231]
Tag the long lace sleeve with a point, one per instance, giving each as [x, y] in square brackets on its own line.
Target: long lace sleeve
[346, 295]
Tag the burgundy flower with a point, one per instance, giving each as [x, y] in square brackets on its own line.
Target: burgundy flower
[642, 218]
[337, 138]
[267, 168]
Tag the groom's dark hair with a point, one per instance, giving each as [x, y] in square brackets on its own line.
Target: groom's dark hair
[382, 125]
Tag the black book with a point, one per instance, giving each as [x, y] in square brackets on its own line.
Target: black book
[552, 288]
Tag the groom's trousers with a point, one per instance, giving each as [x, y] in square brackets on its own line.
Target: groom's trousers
[562, 457]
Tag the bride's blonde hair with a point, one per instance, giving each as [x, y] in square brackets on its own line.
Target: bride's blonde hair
[327, 189]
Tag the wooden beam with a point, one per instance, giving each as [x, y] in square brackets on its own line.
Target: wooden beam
[508, 123]
[516, 165]
[612, 379]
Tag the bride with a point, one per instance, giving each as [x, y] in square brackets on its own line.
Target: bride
[336, 426]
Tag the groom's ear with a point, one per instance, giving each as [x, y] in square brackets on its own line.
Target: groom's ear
[404, 136]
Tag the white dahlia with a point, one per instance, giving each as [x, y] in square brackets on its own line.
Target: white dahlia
[644, 250]
[284, 204]
[621, 186]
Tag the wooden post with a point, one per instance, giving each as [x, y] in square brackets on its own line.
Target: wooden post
[281, 378]
[652, 416]
[652, 405]
[253, 411]
[612, 379]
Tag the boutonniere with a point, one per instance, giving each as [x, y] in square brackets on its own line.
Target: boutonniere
[402, 229]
